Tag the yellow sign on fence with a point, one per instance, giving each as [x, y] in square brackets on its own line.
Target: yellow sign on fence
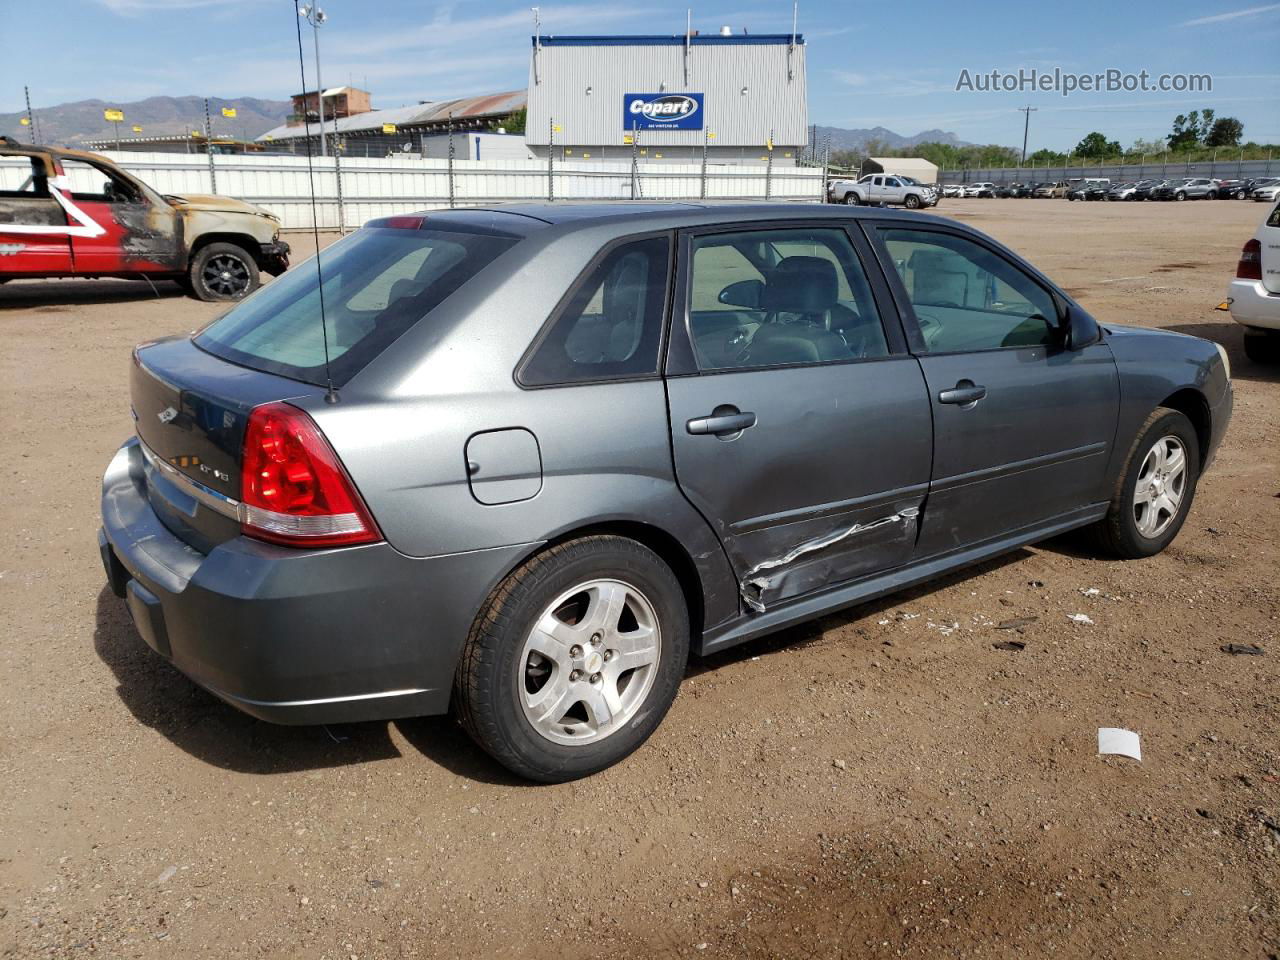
[136, 128]
[113, 116]
[229, 112]
[25, 121]
[388, 128]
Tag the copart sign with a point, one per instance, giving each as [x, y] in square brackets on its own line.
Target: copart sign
[662, 111]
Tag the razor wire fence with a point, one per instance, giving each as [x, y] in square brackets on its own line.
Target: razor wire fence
[353, 190]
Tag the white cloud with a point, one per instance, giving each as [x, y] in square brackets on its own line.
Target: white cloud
[1231, 15]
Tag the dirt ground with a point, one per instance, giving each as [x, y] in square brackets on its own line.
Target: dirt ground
[882, 783]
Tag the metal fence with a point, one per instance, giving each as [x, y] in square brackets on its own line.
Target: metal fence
[1217, 169]
[350, 191]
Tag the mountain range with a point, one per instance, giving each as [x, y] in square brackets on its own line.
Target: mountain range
[857, 139]
[71, 123]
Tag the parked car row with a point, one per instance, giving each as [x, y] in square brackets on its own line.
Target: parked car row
[1262, 189]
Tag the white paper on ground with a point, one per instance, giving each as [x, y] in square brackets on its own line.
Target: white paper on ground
[1118, 741]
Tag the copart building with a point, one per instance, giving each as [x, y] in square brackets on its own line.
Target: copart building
[741, 97]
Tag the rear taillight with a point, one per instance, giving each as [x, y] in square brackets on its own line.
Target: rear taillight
[1250, 265]
[293, 488]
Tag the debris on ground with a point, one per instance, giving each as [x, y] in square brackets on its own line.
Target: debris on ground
[1245, 649]
[1080, 618]
[1120, 742]
[1017, 623]
[1010, 645]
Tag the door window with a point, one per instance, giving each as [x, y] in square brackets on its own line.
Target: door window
[772, 297]
[22, 178]
[967, 298]
[95, 184]
[612, 325]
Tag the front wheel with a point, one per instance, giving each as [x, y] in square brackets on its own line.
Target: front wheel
[222, 271]
[1180, 195]
[575, 659]
[1153, 495]
[912, 202]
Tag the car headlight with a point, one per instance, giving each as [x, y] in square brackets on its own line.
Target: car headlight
[1226, 361]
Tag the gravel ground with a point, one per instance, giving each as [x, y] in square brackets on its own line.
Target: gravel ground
[885, 782]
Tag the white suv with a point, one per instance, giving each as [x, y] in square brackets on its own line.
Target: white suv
[1254, 296]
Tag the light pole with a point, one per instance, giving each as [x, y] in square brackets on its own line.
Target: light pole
[316, 17]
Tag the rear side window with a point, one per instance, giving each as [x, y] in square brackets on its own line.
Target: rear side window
[611, 325]
[378, 282]
[1274, 219]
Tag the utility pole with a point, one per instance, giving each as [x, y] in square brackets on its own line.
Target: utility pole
[1026, 111]
[208, 146]
[31, 121]
[316, 17]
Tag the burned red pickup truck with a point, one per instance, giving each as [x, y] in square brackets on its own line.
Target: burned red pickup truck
[66, 213]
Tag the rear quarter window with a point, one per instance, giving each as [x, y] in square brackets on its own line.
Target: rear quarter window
[377, 283]
[1274, 219]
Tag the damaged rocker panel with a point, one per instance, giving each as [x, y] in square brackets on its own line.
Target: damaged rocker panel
[754, 584]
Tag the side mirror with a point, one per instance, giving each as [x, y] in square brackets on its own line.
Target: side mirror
[1076, 328]
[744, 293]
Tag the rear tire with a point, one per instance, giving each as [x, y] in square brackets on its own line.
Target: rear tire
[851, 199]
[560, 601]
[222, 271]
[1155, 490]
[1262, 347]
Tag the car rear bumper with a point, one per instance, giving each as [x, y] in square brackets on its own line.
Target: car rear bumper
[294, 636]
[1253, 305]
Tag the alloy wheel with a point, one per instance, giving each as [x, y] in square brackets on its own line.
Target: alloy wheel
[226, 275]
[1161, 487]
[589, 662]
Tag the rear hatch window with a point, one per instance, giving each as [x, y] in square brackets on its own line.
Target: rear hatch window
[377, 283]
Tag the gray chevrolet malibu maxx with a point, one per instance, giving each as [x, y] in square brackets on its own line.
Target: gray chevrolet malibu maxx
[522, 462]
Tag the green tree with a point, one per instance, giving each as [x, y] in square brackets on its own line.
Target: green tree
[1096, 146]
[1045, 157]
[1225, 132]
[514, 123]
[1147, 147]
[1191, 130]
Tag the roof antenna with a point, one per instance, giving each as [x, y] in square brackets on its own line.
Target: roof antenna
[331, 395]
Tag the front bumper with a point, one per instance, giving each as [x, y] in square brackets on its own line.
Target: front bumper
[273, 257]
[294, 636]
[1253, 305]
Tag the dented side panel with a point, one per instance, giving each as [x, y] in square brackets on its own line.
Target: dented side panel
[828, 483]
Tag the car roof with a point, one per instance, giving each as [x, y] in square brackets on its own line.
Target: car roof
[13, 149]
[638, 216]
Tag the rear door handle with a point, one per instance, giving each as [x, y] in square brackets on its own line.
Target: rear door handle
[963, 393]
[719, 424]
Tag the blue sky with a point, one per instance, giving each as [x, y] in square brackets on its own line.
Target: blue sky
[870, 64]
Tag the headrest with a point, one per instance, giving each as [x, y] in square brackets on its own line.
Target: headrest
[800, 285]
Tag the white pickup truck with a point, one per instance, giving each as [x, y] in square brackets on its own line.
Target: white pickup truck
[884, 188]
[1254, 295]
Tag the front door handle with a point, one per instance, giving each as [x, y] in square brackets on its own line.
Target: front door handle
[963, 393]
[721, 422]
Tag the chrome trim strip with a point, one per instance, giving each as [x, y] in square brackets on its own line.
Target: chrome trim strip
[317, 703]
[215, 501]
